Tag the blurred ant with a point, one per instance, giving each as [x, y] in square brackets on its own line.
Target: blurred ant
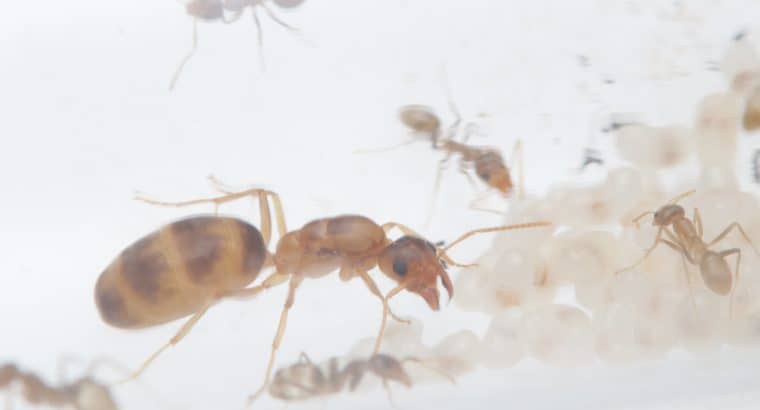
[212, 10]
[685, 237]
[306, 380]
[187, 266]
[83, 394]
[756, 166]
[487, 162]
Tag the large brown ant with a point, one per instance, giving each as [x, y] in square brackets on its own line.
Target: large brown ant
[185, 267]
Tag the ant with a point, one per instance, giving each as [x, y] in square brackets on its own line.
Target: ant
[83, 394]
[186, 267]
[487, 162]
[212, 10]
[685, 237]
[306, 380]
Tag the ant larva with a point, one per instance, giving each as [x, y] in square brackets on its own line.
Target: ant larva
[83, 394]
[212, 10]
[685, 237]
[306, 380]
[187, 266]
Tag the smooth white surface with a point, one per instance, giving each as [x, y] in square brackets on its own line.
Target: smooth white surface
[87, 119]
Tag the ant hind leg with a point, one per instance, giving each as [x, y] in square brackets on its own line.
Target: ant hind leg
[183, 331]
[187, 58]
[294, 283]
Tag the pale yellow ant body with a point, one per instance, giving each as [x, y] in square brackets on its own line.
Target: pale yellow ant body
[685, 237]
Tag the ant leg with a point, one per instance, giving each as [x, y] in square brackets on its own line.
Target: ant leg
[303, 358]
[386, 149]
[517, 157]
[735, 282]
[436, 189]
[264, 212]
[260, 36]
[273, 196]
[187, 58]
[388, 392]
[681, 196]
[372, 286]
[657, 241]
[403, 228]
[183, 331]
[277, 20]
[674, 244]
[249, 293]
[698, 222]
[464, 170]
[384, 320]
[727, 230]
[294, 283]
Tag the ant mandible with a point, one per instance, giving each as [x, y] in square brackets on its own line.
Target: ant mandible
[186, 267]
[685, 237]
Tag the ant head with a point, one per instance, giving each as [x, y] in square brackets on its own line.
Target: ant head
[415, 264]
[288, 4]
[388, 368]
[667, 214]
[419, 118]
[205, 9]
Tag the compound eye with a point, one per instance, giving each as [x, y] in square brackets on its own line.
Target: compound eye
[400, 267]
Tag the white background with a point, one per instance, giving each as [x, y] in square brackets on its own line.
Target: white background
[87, 119]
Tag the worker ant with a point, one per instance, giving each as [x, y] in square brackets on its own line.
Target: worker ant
[84, 393]
[685, 237]
[213, 10]
[305, 380]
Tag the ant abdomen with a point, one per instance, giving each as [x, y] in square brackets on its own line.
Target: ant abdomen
[205, 9]
[175, 270]
[716, 273]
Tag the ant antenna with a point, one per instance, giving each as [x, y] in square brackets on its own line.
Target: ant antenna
[485, 230]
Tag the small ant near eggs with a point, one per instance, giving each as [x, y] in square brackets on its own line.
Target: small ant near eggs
[685, 237]
[305, 379]
[85, 393]
[186, 267]
[213, 10]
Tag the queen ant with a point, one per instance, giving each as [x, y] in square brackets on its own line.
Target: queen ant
[213, 10]
[305, 380]
[185, 267]
[685, 237]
